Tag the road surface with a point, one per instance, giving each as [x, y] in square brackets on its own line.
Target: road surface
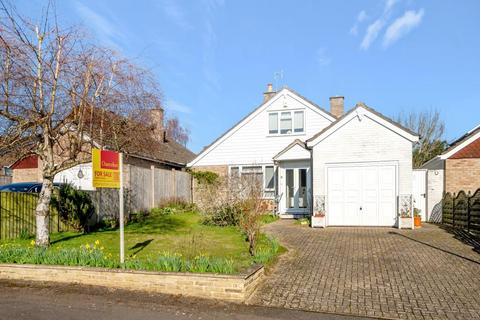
[22, 300]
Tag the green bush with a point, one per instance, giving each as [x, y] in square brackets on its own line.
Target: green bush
[204, 177]
[225, 215]
[75, 207]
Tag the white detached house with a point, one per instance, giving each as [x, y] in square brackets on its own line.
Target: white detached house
[356, 167]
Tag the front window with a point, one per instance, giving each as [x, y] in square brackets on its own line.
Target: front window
[286, 122]
[261, 175]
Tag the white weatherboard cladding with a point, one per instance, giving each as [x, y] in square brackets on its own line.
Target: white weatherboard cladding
[251, 143]
[363, 141]
[294, 153]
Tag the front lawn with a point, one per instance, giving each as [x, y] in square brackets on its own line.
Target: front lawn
[178, 235]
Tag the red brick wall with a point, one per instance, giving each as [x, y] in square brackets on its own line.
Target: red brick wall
[462, 174]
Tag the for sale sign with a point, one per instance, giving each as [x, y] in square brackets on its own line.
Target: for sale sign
[106, 169]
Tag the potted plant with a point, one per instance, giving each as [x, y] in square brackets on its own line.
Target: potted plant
[405, 219]
[318, 219]
[417, 218]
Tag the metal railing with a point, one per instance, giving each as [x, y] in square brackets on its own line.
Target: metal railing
[17, 216]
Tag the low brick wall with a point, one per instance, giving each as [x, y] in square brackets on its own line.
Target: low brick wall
[225, 287]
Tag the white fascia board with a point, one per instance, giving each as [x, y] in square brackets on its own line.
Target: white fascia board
[361, 112]
[229, 133]
[460, 146]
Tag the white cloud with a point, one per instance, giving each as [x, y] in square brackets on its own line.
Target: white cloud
[176, 106]
[322, 57]
[372, 33]
[362, 15]
[106, 30]
[402, 25]
[376, 27]
[176, 14]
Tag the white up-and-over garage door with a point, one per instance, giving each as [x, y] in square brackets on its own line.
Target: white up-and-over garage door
[361, 195]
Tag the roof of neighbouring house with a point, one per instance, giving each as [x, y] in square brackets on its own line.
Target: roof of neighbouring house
[467, 146]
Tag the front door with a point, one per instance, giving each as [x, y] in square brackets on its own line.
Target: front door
[296, 189]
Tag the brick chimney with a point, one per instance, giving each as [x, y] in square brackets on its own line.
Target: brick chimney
[156, 121]
[336, 106]
[267, 95]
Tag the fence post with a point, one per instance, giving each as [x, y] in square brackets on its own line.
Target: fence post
[453, 210]
[1, 215]
[152, 179]
[468, 211]
[174, 184]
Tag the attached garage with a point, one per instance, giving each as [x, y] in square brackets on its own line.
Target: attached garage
[362, 169]
[363, 194]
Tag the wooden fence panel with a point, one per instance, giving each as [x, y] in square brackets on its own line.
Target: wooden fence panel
[447, 206]
[183, 183]
[474, 207]
[460, 214]
[462, 211]
[140, 188]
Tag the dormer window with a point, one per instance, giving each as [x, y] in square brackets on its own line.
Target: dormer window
[286, 122]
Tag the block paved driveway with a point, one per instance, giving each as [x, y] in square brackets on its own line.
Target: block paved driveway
[379, 272]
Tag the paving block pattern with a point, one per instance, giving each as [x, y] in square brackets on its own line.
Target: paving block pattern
[379, 272]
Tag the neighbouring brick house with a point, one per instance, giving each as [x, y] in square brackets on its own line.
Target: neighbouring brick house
[462, 163]
[456, 169]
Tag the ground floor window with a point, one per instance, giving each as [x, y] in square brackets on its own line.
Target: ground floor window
[263, 174]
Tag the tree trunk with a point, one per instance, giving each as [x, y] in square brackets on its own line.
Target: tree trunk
[42, 213]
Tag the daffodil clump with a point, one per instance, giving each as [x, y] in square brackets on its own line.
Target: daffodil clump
[93, 255]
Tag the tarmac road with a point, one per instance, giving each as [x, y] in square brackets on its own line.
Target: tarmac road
[24, 300]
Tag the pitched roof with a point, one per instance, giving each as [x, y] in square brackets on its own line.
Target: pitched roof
[457, 147]
[259, 107]
[291, 145]
[371, 110]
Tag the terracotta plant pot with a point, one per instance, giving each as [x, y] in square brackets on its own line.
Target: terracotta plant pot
[417, 221]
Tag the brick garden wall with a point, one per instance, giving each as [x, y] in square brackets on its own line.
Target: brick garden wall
[462, 174]
[235, 288]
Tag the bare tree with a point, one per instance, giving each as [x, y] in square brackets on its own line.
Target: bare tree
[61, 95]
[176, 131]
[430, 127]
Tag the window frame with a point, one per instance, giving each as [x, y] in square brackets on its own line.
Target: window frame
[292, 121]
[263, 166]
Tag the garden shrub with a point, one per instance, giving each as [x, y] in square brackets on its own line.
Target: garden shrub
[224, 215]
[75, 207]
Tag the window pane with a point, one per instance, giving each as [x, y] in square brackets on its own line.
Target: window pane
[234, 171]
[286, 123]
[269, 180]
[273, 123]
[302, 197]
[290, 194]
[253, 174]
[298, 121]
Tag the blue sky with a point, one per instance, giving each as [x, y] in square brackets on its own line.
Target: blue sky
[213, 58]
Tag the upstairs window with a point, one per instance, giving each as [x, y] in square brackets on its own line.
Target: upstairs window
[286, 122]
[273, 123]
[298, 120]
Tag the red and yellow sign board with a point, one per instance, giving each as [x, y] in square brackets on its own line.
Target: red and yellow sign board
[106, 169]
